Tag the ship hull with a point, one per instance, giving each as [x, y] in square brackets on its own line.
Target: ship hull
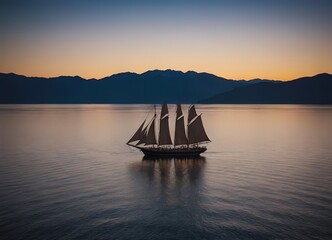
[173, 152]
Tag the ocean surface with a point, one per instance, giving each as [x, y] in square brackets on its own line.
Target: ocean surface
[66, 173]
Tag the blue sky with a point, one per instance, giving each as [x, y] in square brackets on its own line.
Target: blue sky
[234, 39]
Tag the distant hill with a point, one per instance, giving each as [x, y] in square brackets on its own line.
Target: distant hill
[150, 87]
[163, 86]
[306, 90]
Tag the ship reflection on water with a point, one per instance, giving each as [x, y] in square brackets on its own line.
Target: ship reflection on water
[174, 176]
[181, 169]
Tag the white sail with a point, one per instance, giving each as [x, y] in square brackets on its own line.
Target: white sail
[164, 135]
[180, 137]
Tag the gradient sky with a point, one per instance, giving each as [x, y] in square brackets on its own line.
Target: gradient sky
[236, 39]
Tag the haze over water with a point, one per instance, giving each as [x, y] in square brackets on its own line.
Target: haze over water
[66, 173]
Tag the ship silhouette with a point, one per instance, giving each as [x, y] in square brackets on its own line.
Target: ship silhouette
[188, 142]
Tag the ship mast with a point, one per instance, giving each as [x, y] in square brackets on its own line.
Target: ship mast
[164, 135]
[180, 137]
[151, 135]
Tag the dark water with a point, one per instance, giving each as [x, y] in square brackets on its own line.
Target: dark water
[66, 173]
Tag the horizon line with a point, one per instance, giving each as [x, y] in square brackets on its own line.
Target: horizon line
[164, 70]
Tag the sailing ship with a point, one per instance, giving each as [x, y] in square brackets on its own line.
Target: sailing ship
[187, 141]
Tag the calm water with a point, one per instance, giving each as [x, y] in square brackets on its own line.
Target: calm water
[66, 173]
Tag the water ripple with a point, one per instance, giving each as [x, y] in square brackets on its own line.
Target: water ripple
[65, 173]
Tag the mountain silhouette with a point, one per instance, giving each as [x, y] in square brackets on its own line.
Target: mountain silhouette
[306, 90]
[159, 86]
[155, 86]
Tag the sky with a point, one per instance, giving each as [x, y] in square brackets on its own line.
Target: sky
[236, 39]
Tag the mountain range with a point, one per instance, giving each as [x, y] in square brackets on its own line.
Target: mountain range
[159, 86]
[306, 90]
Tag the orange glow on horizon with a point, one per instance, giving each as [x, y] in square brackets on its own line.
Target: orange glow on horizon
[234, 75]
